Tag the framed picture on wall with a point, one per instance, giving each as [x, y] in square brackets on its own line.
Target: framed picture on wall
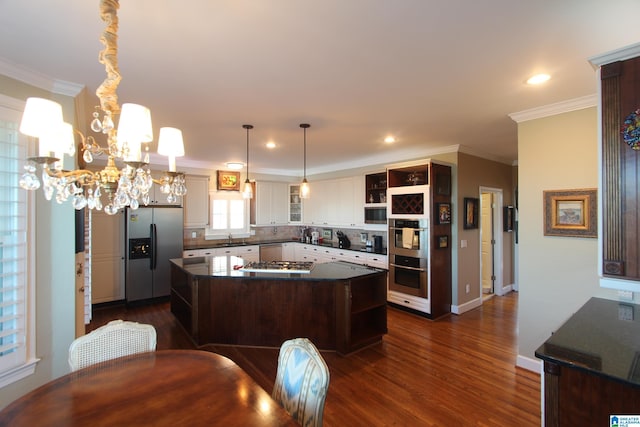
[443, 242]
[508, 218]
[228, 180]
[571, 213]
[470, 213]
[443, 213]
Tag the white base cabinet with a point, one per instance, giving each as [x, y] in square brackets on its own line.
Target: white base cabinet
[249, 253]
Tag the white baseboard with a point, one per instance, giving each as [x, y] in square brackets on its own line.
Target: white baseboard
[507, 289]
[533, 365]
[467, 306]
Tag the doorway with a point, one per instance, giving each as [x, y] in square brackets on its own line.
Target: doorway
[491, 269]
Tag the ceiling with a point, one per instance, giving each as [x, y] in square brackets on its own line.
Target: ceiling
[433, 74]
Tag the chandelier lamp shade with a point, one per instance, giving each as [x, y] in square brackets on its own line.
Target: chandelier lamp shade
[305, 191]
[247, 189]
[125, 185]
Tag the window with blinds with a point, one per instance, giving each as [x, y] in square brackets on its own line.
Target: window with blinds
[15, 349]
[229, 215]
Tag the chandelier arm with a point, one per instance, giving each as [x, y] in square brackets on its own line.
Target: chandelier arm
[171, 176]
[83, 176]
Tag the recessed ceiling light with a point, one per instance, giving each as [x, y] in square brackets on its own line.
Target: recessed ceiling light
[538, 79]
[235, 165]
[270, 145]
[389, 139]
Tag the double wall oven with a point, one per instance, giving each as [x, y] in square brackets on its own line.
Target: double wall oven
[409, 256]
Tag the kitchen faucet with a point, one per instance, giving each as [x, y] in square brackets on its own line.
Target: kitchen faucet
[229, 238]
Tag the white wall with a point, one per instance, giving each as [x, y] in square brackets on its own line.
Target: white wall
[557, 275]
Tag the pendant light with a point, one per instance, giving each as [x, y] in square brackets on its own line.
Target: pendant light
[304, 187]
[247, 190]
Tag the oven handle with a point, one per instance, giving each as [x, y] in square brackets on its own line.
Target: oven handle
[402, 228]
[407, 268]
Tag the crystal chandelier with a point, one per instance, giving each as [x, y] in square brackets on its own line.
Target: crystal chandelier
[128, 185]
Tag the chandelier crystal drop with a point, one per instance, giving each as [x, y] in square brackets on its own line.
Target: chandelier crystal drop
[127, 185]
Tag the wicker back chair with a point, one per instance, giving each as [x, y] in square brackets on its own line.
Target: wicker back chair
[115, 339]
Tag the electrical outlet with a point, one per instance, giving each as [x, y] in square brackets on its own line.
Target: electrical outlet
[625, 295]
[463, 243]
[625, 312]
[194, 234]
[467, 288]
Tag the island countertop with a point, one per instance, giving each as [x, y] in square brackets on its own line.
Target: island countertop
[228, 266]
[602, 337]
[592, 365]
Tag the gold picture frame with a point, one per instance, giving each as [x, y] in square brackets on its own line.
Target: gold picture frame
[228, 180]
[571, 213]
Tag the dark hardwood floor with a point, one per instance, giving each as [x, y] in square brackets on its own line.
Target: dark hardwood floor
[456, 371]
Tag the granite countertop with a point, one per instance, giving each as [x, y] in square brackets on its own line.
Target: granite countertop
[353, 247]
[603, 338]
[223, 266]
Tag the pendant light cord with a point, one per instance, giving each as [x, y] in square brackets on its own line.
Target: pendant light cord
[304, 126]
[247, 127]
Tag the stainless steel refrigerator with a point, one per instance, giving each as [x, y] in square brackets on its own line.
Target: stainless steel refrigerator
[153, 236]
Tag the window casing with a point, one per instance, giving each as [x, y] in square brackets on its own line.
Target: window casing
[229, 215]
[17, 314]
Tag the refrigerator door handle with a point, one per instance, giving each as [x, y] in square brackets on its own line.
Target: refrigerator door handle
[154, 246]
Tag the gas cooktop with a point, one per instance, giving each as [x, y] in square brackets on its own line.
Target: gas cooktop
[278, 267]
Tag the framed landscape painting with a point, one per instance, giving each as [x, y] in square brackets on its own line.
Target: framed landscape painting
[571, 213]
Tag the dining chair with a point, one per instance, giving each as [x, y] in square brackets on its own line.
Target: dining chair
[115, 339]
[302, 381]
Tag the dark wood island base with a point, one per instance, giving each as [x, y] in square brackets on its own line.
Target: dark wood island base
[338, 306]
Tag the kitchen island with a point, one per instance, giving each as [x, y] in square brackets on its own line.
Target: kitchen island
[338, 305]
[592, 365]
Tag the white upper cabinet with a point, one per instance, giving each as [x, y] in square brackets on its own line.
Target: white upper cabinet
[336, 202]
[196, 202]
[272, 202]
[157, 197]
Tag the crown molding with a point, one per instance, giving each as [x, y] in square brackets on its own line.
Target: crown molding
[621, 54]
[555, 109]
[39, 80]
[477, 153]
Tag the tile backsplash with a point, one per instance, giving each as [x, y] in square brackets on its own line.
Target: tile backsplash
[284, 232]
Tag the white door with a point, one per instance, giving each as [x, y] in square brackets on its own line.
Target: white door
[491, 238]
[486, 243]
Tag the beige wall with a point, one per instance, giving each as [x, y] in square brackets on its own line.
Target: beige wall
[473, 173]
[557, 275]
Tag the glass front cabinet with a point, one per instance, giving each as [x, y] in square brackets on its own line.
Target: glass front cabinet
[295, 204]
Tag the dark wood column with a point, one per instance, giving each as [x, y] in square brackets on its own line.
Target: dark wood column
[620, 173]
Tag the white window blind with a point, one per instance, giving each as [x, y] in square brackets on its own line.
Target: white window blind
[15, 349]
[229, 215]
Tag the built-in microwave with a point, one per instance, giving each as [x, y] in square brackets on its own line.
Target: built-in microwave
[375, 215]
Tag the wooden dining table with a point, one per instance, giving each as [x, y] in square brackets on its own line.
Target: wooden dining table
[168, 387]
